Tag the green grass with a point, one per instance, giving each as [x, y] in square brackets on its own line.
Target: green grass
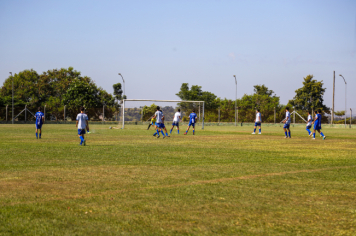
[223, 180]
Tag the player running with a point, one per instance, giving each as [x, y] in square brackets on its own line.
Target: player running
[159, 124]
[286, 122]
[309, 123]
[192, 120]
[153, 121]
[176, 120]
[163, 127]
[39, 122]
[258, 122]
[317, 124]
[82, 125]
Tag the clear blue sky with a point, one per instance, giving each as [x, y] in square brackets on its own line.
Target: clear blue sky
[158, 45]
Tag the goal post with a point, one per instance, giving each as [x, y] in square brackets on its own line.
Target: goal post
[153, 100]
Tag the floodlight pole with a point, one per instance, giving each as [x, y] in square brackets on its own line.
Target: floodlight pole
[123, 82]
[12, 97]
[350, 117]
[235, 100]
[345, 96]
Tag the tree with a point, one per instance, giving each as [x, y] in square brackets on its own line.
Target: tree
[55, 88]
[263, 99]
[310, 96]
[196, 94]
[118, 91]
[149, 111]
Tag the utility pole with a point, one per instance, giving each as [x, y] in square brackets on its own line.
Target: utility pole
[350, 117]
[345, 96]
[332, 110]
[235, 101]
[12, 97]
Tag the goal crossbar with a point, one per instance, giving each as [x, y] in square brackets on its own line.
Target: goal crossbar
[154, 100]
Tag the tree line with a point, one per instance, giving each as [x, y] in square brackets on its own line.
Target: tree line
[57, 88]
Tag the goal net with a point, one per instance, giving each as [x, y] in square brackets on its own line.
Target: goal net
[168, 112]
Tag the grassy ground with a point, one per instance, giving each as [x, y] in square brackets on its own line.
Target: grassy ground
[223, 180]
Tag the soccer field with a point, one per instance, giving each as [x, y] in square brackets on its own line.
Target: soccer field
[223, 180]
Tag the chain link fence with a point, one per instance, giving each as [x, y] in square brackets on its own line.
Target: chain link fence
[223, 117]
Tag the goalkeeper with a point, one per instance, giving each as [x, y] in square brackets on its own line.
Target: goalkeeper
[153, 121]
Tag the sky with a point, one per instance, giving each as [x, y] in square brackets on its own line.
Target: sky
[158, 45]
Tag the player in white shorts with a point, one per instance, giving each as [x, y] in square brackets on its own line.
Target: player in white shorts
[176, 120]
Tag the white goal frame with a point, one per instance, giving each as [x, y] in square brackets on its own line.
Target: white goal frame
[153, 100]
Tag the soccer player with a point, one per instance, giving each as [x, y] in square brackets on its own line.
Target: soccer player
[309, 123]
[286, 122]
[163, 127]
[192, 120]
[258, 122]
[317, 124]
[158, 116]
[82, 125]
[153, 121]
[176, 119]
[39, 122]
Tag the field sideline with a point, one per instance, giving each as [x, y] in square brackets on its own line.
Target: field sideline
[223, 180]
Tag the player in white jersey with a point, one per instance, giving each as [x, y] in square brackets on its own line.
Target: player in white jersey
[159, 122]
[309, 123]
[82, 125]
[286, 122]
[176, 120]
[258, 122]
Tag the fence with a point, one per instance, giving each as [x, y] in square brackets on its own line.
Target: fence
[112, 115]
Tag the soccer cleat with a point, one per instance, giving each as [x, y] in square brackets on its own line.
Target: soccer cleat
[163, 137]
[40, 137]
[185, 133]
[154, 135]
[168, 136]
[80, 144]
[84, 143]
[310, 134]
[253, 133]
[158, 136]
[324, 137]
[36, 137]
[313, 138]
[286, 137]
[260, 133]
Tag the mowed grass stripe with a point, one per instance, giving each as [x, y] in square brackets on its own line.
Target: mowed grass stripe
[223, 180]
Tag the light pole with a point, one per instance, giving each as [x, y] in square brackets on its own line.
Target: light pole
[12, 97]
[235, 101]
[123, 82]
[345, 97]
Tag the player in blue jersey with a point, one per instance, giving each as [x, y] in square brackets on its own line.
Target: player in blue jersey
[192, 121]
[317, 124]
[39, 122]
[258, 122]
[309, 123]
[286, 122]
[82, 125]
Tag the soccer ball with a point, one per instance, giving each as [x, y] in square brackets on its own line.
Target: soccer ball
[110, 127]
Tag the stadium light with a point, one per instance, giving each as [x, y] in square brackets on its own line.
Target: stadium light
[12, 97]
[235, 101]
[123, 82]
[345, 96]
